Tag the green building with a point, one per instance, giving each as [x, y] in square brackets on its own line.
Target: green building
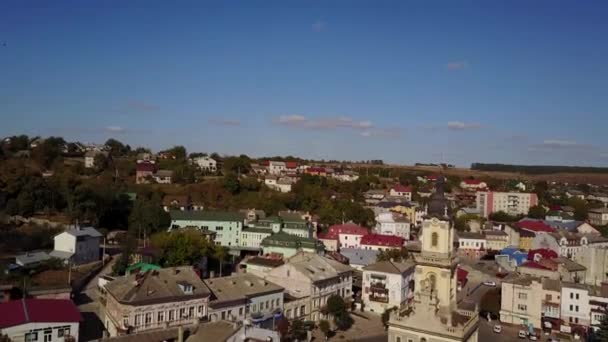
[289, 245]
[226, 225]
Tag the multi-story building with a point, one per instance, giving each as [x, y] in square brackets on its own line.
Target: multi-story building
[244, 296]
[78, 245]
[401, 191]
[144, 171]
[595, 260]
[575, 310]
[309, 280]
[276, 167]
[512, 203]
[155, 299]
[568, 244]
[382, 242]
[226, 225]
[387, 284]
[471, 245]
[393, 224]
[346, 235]
[163, 176]
[598, 216]
[521, 301]
[32, 320]
[288, 245]
[496, 240]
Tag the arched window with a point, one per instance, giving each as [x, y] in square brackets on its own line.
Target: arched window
[432, 281]
[434, 239]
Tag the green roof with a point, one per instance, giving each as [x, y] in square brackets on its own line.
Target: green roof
[257, 230]
[288, 240]
[142, 267]
[205, 215]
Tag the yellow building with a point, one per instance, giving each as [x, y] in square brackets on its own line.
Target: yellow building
[433, 314]
[525, 239]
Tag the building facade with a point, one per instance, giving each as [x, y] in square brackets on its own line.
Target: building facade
[393, 224]
[387, 284]
[512, 203]
[226, 225]
[78, 245]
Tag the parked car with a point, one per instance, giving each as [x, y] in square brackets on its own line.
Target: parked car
[485, 314]
[497, 329]
[489, 283]
[533, 337]
[522, 334]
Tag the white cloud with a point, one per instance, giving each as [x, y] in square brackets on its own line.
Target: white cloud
[456, 65]
[296, 120]
[559, 143]
[459, 125]
[114, 129]
[318, 26]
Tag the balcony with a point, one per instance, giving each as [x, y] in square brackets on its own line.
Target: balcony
[377, 286]
[378, 298]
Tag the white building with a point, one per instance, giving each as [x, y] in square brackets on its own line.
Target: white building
[282, 184]
[401, 191]
[393, 224]
[309, 280]
[276, 167]
[598, 216]
[387, 284]
[205, 163]
[32, 320]
[243, 296]
[471, 245]
[473, 185]
[575, 307]
[512, 203]
[89, 157]
[78, 245]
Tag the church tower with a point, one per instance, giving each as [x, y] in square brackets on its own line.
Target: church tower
[434, 314]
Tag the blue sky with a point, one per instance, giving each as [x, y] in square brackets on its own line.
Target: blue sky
[405, 81]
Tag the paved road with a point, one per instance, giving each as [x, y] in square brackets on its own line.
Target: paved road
[87, 300]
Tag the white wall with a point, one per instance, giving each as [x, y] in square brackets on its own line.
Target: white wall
[17, 333]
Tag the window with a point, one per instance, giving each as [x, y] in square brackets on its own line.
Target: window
[577, 296]
[218, 228]
[576, 308]
[171, 315]
[160, 317]
[182, 313]
[302, 310]
[576, 320]
[522, 295]
[223, 314]
[434, 239]
[240, 311]
[571, 295]
[137, 320]
[191, 312]
[148, 319]
[288, 313]
[255, 307]
[548, 297]
[31, 337]
[200, 310]
[125, 321]
[48, 335]
[522, 307]
[571, 307]
[397, 339]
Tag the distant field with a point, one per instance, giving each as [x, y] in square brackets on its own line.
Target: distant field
[569, 177]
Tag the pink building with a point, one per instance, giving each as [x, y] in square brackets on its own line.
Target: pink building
[512, 203]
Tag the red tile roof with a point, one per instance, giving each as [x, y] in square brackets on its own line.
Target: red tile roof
[315, 170]
[291, 164]
[328, 236]
[145, 167]
[23, 311]
[461, 274]
[401, 188]
[543, 252]
[348, 228]
[382, 240]
[535, 226]
[432, 177]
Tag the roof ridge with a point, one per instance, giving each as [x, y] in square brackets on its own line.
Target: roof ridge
[27, 315]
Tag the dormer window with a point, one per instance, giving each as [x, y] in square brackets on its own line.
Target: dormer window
[185, 287]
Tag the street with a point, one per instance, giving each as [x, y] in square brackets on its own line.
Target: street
[91, 327]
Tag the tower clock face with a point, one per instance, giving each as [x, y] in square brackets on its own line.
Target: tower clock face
[435, 220]
[276, 228]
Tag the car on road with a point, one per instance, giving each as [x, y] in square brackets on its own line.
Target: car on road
[489, 283]
[522, 334]
[533, 337]
[497, 329]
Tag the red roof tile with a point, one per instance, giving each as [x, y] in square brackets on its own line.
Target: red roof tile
[461, 274]
[145, 167]
[291, 164]
[382, 240]
[401, 188]
[23, 311]
[535, 226]
[543, 252]
[348, 228]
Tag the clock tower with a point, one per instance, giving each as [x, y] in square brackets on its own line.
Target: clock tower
[434, 315]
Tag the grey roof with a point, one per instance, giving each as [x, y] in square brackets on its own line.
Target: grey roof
[207, 215]
[61, 255]
[219, 331]
[602, 210]
[32, 258]
[240, 286]
[570, 265]
[316, 267]
[358, 256]
[390, 267]
[470, 235]
[552, 284]
[86, 231]
[157, 286]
